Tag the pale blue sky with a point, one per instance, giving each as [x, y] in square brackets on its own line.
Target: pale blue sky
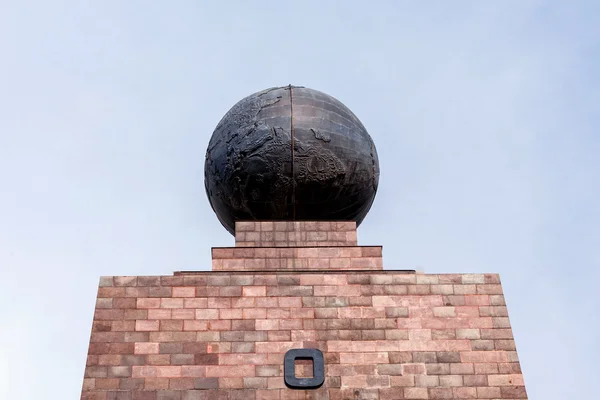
[485, 115]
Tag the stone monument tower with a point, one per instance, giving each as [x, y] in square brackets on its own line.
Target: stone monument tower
[297, 309]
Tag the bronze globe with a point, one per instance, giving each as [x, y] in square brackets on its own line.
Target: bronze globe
[290, 153]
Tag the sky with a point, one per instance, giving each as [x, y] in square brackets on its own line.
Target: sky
[483, 114]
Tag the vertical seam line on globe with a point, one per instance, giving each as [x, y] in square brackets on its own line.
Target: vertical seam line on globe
[292, 143]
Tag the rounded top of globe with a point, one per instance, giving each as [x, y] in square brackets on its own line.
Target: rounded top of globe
[290, 154]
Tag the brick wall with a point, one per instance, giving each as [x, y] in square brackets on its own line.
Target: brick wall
[223, 335]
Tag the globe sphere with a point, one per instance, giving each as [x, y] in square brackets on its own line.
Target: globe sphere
[290, 153]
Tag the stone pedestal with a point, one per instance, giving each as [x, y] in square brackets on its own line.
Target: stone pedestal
[384, 334]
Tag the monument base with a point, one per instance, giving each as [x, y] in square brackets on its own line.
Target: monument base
[227, 334]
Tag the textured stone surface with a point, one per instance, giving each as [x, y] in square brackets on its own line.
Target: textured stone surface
[384, 334]
[290, 153]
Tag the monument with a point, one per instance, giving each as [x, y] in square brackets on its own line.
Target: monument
[297, 309]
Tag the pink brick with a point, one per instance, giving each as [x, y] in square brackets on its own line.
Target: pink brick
[464, 393]
[477, 300]
[231, 383]
[248, 302]
[278, 313]
[156, 383]
[473, 279]
[171, 303]
[327, 279]
[419, 335]
[207, 314]
[260, 302]
[148, 303]
[181, 383]
[467, 311]
[461, 369]
[496, 334]
[468, 334]
[339, 263]
[123, 326]
[513, 392]
[275, 336]
[111, 292]
[415, 393]
[146, 348]
[215, 302]
[220, 371]
[266, 324]
[486, 368]
[350, 312]
[442, 289]
[489, 289]
[195, 325]
[276, 347]
[387, 301]
[137, 292]
[480, 323]
[184, 291]
[254, 291]
[412, 323]
[195, 303]
[451, 380]
[450, 278]
[413, 369]
[193, 371]
[242, 359]
[488, 393]
[172, 336]
[267, 394]
[108, 314]
[230, 313]
[143, 371]
[219, 325]
[147, 325]
[303, 313]
[466, 289]
[254, 313]
[168, 372]
[255, 383]
[505, 380]
[303, 335]
[402, 381]
[441, 393]
[159, 313]
[106, 383]
[444, 311]
[290, 301]
[183, 314]
[158, 359]
[286, 324]
[484, 357]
